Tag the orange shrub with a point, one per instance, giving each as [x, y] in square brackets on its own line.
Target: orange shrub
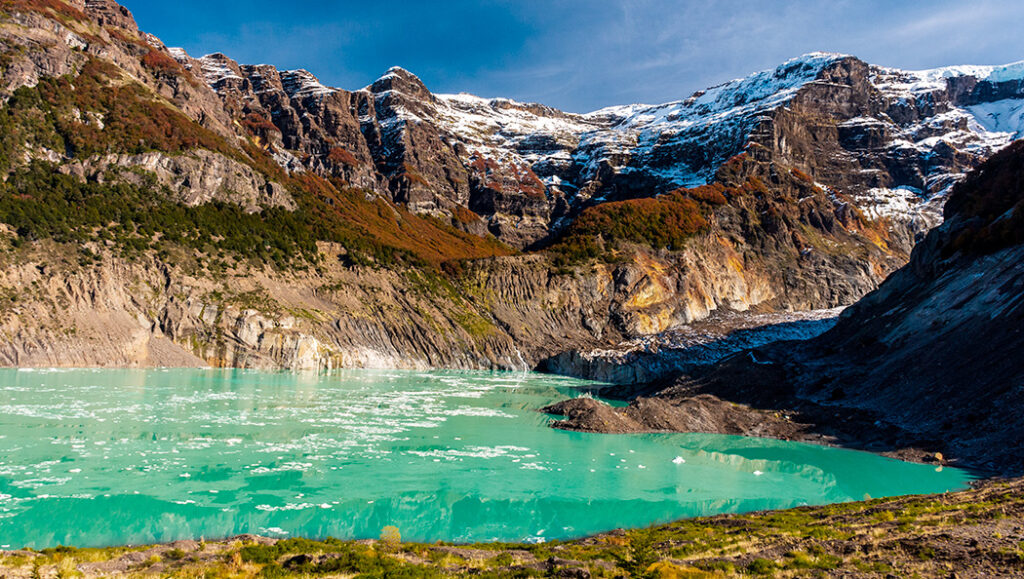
[123, 36]
[413, 176]
[161, 62]
[801, 175]
[464, 215]
[711, 194]
[664, 222]
[257, 123]
[383, 229]
[58, 8]
[341, 156]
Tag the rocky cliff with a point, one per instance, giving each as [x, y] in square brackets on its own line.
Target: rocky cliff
[893, 141]
[163, 209]
[930, 360]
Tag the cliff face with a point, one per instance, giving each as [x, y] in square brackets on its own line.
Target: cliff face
[161, 209]
[506, 313]
[931, 359]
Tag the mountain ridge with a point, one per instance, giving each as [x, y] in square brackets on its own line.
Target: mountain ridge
[573, 157]
[280, 223]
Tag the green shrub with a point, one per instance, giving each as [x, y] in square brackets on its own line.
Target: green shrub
[762, 567]
[175, 555]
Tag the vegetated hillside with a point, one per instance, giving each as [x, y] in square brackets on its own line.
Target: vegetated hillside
[932, 360]
[159, 209]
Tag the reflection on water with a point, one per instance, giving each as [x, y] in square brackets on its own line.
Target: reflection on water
[91, 457]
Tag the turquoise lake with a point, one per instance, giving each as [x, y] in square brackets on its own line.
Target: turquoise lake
[110, 457]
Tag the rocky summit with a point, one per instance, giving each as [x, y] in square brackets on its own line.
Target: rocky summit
[161, 209]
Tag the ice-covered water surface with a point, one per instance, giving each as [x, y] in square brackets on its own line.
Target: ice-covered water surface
[103, 457]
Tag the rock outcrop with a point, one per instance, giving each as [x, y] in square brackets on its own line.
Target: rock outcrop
[892, 141]
[931, 359]
[193, 178]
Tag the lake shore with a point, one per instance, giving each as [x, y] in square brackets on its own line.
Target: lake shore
[967, 533]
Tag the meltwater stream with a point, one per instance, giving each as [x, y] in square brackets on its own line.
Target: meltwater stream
[105, 457]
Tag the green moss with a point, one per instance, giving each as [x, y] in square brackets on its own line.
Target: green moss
[474, 325]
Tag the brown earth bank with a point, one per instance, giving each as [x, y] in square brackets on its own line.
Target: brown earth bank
[928, 363]
[973, 533]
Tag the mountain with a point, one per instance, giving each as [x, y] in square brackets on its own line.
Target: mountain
[893, 141]
[162, 209]
[930, 360]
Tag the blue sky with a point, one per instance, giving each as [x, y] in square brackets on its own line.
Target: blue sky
[581, 55]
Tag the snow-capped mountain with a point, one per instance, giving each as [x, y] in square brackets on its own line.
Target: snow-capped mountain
[345, 197]
[892, 141]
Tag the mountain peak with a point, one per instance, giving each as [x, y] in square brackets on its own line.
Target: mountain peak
[812, 61]
[397, 70]
[217, 68]
[400, 80]
[110, 13]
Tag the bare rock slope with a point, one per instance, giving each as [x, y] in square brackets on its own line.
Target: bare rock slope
[931, 360]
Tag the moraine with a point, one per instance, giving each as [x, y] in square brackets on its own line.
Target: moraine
[107, 457]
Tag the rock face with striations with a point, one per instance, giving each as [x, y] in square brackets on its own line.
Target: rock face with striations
[931, 359]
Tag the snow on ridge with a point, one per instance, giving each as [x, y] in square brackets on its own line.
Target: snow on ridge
[759, 91]
[178, 53]
[728, 111]
[395, 72]
[216, 70]
[301, 83]
[990, 126]
[503, 128]
[794, 73]
[392, 74]
[1004, 116]
[991, 73]
[912, 82]
[647, 139]
[622, 138]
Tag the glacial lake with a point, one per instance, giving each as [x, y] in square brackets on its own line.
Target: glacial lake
[111, 457]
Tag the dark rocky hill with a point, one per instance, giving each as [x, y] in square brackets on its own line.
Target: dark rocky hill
[933, 360]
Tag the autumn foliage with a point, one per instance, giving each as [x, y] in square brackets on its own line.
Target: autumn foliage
[464, 215]
[341, 156]
[134, 121]
[102, 111]
[517, 178]
[59, 8]
[662, 222]
[160, 62]
[256, 124]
